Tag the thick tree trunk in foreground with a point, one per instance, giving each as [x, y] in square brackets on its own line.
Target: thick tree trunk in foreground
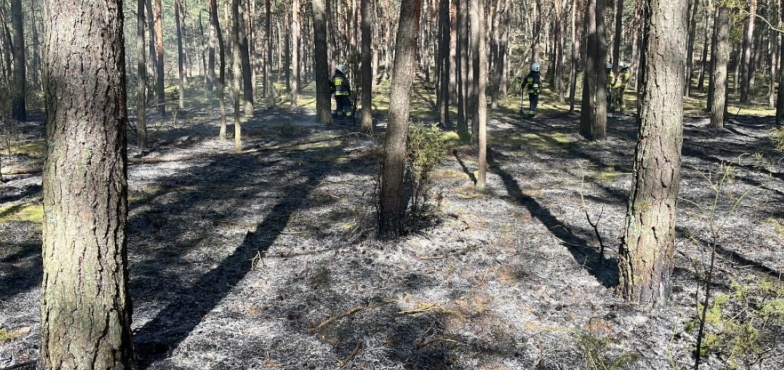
[85, 307]
[393, 206]
[648, 245]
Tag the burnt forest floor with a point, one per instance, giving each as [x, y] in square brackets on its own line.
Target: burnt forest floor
[267, 258]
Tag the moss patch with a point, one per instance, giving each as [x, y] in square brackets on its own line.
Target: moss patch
[9, 335]
[606, 174]
[23, 213]
[538, 142]
[34, 149]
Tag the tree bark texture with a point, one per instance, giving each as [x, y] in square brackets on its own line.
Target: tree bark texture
[720, 68]
[323, 103]
[575, 58]
[85, 306]
[295, 57]
[690, 45]
[180, 53]
[648, 244]
[141, 98]
[221, 80]
[393, 205]
[473, 96]
[442, 63]
[616, 53]
[593, 116]
[366, 69]
[236, 71]
[247, 70]
[463, 114]
[748, 50]
[19, 90]
[780, 93]
[159, 82]
[481, 109]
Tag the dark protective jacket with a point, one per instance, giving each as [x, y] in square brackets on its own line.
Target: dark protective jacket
[532, 82]
[339, 84]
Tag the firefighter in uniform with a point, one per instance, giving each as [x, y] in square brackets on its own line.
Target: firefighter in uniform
[532, 83]
[610, 84]
[340, 86]
[620, 85]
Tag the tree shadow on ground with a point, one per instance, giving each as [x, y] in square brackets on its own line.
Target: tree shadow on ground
[606, 271]
[155, 339]
[23, 270]
[188, 304]
[736, 258]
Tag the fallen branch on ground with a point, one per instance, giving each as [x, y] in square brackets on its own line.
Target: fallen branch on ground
[336, 317]
[350, 358]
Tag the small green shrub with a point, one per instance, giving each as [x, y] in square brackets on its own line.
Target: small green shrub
[426, 148]
[778, 137]
[743, 326]
[596, 356]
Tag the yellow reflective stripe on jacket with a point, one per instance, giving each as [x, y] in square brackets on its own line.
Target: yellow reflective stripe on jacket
[339, 90]
[532, 86]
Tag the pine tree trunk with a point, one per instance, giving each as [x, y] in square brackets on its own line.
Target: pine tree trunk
[773, 51]
[392, 208]
[558, 71]
[593, 116]
[19, 90]
[705, 45]
[690, 45]
[180, 54]
[236, 71]
[221, 81]
[711, 81]
[454, 60]
[722, 56]
[473, 93]
[462, 70]
[616, 53]
[648, 244]
[85, 305]
[295, 56]
[141, 98]
[746, 61]
[247, 69]
[159, 82]
[268, 45]
[366, 71]
[481, 111]
[323, 104]
[443, 63]
[575, 59]
[780, 93]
